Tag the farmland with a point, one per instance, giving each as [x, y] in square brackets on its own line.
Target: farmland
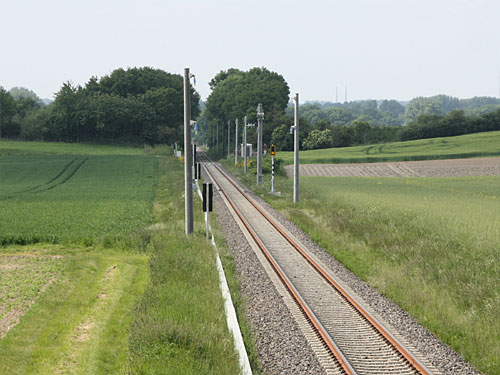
[464, 146]
[96, 275]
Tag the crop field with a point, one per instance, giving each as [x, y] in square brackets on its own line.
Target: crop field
[74, 199]
[464, 146]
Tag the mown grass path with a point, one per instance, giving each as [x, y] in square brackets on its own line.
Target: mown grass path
[76, 326]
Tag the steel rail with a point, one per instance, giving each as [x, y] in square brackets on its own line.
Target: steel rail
[309, 314]
[394, 342]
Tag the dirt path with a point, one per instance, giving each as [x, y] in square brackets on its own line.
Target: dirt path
[428, 168]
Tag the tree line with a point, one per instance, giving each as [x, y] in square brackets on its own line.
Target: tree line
[236, 93]
[146, 105]
[133, 105]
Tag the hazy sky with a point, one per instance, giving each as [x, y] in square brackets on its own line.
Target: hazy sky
[377, 48]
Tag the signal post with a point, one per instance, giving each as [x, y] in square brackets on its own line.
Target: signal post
[273, 152]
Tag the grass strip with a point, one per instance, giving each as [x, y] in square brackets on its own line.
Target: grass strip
[11, 147]
[180, 326]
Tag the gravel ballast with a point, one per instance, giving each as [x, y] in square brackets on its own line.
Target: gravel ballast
[282, 347]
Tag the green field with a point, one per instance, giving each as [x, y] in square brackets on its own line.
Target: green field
[96, 273]
[74, 198]
[464, 146]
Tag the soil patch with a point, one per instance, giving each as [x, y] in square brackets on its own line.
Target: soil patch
[23, 278]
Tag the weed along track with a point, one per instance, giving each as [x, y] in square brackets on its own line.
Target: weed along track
[345, 336]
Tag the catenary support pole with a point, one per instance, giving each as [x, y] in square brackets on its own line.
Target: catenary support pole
[260, 118]
[188, 176]
[296, 151]
[245, 144]
[236, 142]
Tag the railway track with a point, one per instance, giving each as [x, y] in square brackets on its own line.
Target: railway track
[346, 337]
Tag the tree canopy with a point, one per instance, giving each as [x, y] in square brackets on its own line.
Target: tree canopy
[236, 93]
[137, 104]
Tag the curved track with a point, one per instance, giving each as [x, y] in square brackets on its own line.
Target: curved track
[358, 342]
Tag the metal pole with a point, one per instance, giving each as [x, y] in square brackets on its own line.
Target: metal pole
[296, 151]
[217, 138]
[245, 144]
[188, 175]
[260, 117]
[228, 138]
[236, 143]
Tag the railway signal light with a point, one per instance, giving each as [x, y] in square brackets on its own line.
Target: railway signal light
[273, 150]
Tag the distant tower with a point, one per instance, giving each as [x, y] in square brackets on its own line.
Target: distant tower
[336, 94]
[346, 94]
